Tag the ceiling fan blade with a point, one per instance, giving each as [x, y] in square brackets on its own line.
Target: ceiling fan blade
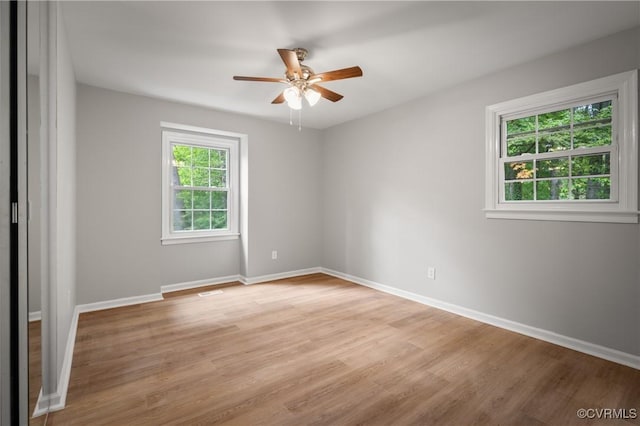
[267, 79]
[326, 93]
[279, 99]
[338, 74]
[290, 59]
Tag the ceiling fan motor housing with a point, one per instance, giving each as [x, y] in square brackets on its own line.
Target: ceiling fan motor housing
[301, 54]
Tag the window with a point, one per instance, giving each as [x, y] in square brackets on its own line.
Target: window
[568, 154]
[200, 184]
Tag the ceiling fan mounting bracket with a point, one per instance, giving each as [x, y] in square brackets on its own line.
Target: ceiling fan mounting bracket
[301, 53]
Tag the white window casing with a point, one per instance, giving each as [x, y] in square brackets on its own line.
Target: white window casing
[622, 206]
[199, 137]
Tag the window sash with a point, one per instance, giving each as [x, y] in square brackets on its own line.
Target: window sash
[214, 141]
[567, 153]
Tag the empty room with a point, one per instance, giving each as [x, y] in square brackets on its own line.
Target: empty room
[320, 212]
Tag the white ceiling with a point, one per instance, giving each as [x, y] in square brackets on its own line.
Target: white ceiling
[189, 51]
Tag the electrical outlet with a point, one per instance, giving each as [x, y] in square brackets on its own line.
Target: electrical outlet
[274, 254]
[431, 273]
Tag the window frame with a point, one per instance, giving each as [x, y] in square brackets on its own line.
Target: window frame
[622, 207]
[208, 138]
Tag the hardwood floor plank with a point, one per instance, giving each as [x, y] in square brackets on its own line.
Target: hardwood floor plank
[317, 350]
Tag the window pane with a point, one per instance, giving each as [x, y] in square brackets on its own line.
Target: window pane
[521, 145]
[521, 125]
[181, 176]
[218, 159]
[518, 191]
[591, 112]
[201, 177]
[591, 188]
[219, 220]
[219, 200]
[592, 136]
[201, 200]
[553, 189]
[200, 157]
[556, 167]
[218, 178]
[585, 165]
[518, 170]
[201, 220]
[182, 220]
[554, 141]
[556, 119]
[182, 199]
[181, 155]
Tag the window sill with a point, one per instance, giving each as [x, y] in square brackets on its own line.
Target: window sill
[618, 216]
[198, 239]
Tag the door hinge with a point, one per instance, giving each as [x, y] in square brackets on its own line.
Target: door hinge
[14, 212]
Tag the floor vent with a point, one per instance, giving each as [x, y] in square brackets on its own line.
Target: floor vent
[210, 293]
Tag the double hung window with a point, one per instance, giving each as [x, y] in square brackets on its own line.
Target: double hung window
[568, 154]
[200, 184]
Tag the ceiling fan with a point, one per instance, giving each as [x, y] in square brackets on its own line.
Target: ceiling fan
[303, 81]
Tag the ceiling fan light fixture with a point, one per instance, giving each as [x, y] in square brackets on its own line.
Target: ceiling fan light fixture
[293, 98]
[300, 80]
[311, 96]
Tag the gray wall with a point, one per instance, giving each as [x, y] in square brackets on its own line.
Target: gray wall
[65, 214]
[381, 198]
[119, 198]
[404, 189]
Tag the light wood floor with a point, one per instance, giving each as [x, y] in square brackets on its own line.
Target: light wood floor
[35, 367]
[318, 350]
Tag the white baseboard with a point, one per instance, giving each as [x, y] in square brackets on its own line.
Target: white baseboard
[599, 351]
[200, 283]
[117, 303]
[134, 300]
[35, 316]
[239, 278]
[42, 406]
[279, 276]
[57, 400]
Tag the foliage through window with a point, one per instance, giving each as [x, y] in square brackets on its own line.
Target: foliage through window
[567, 154]
[200, 191]
[200, 179]
[563, 154]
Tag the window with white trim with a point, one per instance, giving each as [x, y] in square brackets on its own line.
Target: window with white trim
[568, 154]
[200, 200]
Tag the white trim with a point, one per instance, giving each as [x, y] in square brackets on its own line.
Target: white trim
[35, 316]
[117, 303]
[279, 276]
[527, 330]
[567, 215]
[210, 138]
[195, 129]
[196, 239]
[57, 400]
[199, 283]
[41, 406]
[625, 125]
